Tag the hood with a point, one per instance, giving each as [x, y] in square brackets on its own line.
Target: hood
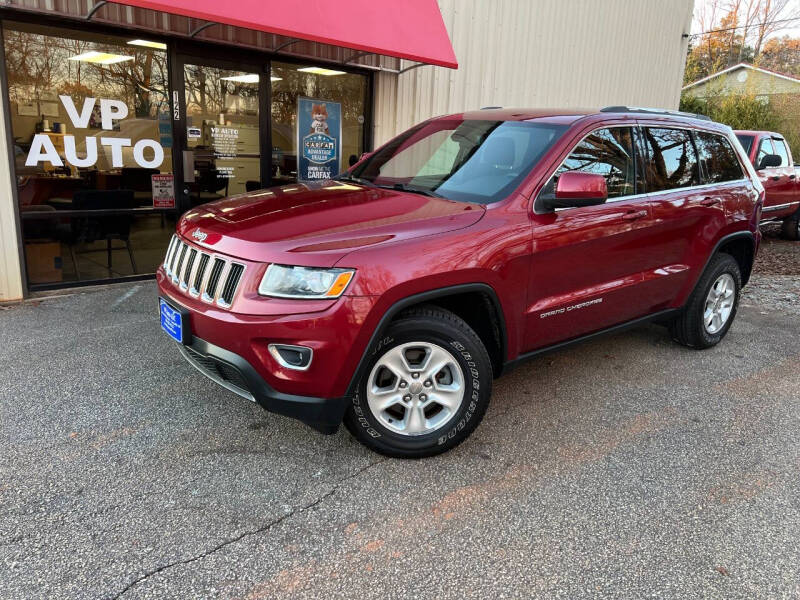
[317, 224]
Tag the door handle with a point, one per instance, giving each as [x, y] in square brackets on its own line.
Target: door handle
[709, 201]
[632, 215]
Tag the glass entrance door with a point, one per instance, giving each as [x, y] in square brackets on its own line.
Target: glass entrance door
[222, 154]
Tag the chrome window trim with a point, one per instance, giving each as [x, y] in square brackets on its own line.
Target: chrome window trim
[662, 125]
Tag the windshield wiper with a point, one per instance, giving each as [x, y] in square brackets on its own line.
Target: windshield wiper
[402, 187]
[354, 180]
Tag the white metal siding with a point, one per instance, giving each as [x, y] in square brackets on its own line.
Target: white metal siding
[10, 273]
[542, 54]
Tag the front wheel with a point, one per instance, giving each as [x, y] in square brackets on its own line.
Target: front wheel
[425, 389]
[711, 308]
[790, 229]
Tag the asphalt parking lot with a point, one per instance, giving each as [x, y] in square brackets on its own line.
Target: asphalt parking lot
[625, 467]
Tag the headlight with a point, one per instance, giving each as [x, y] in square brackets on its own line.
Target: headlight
[284, 281]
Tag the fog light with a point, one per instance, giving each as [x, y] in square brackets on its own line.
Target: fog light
[292, 357]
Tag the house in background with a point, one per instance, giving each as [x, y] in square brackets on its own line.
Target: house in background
[746, 79]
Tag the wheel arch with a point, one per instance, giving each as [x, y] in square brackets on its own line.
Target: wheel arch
[742, 247]
[461, 300]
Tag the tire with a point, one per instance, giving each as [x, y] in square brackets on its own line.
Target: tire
[790, 229]
[426, 414]
[691, 328]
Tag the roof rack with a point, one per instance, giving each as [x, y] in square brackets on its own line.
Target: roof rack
[490, 107]
[654, 111]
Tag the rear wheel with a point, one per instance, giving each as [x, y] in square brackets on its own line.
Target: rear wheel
[712, 306]
[790, 228]
[425, 389]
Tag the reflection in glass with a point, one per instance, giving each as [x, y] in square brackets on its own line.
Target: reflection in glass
[717, 158]
[607, 152]
[672, 162]
[91, 123]
[222, 132]
[292, 81]
[465, 160]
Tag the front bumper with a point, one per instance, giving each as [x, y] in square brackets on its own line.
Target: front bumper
[232, 349]
[234, 373]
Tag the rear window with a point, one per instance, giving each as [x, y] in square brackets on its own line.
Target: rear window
[717, 158]
[746, 141]
[671, 159]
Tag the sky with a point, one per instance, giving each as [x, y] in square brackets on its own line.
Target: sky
[792, 29]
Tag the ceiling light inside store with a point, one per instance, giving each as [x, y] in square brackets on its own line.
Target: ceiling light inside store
[320, 71]
[101, 58]
[245, 78]
[148, 44]
[276, 78]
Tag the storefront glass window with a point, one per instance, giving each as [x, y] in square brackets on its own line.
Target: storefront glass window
[336, 102]
[92, 129]
[222, 132]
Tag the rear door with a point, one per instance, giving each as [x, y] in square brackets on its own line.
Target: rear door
[695, 183]
[680, 210]
[588, 263]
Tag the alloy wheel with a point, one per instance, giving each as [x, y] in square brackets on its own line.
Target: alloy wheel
[719, 303]
[415, 388]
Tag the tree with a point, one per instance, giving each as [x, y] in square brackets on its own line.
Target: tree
[746, 111]
[736, 31]
[771, 17]
[781, 54]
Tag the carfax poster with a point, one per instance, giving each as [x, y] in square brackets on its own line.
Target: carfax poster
[319, 139]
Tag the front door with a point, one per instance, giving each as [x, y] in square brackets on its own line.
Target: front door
[779, 187]
[222, 149]
[589, 263]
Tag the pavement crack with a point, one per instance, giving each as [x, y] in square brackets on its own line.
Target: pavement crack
[228, 542]
[264, 528]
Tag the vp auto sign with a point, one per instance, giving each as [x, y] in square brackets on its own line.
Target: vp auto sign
[43, 150]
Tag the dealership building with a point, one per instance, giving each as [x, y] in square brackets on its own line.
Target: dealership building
[117, 117]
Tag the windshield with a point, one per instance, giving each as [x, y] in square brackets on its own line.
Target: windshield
[465, 160]
[746, 141]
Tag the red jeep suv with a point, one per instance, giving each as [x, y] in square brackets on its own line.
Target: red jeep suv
[390, 297]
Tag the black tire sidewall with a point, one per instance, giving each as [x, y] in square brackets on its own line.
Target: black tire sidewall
[475, 366]
[790, 228]
[723, 263]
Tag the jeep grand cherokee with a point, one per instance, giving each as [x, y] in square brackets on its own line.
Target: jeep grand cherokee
[390, 297]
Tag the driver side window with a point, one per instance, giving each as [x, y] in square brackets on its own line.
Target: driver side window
[607, 152]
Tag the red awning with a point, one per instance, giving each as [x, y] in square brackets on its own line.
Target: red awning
[410, 29]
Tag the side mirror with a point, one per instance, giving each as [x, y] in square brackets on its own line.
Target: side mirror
[575, 189]
[769, 160]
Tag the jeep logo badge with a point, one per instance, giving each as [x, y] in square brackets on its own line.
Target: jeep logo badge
[200, 236]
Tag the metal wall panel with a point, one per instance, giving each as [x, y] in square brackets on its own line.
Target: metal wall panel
[544, 53]
[10, 267]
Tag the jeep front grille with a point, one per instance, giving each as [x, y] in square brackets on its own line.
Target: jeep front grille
[210, 277]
